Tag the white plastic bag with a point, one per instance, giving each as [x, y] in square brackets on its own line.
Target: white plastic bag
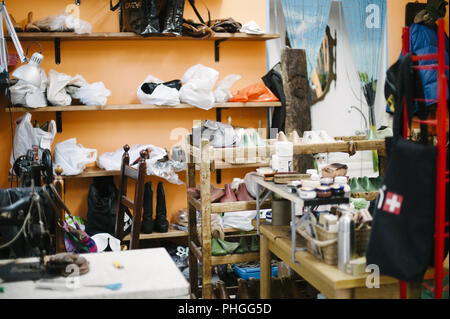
[222, 92]
[240, 220]
[198, 83]
[63, 22]
[92, 94]
[162, 95]
[28, 95]
[26, 136]
[73, 157]
[251, 28]
[167, 170]
[56, 89]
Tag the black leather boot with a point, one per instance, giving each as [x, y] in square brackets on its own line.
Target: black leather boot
[161, 224]
[147, 216]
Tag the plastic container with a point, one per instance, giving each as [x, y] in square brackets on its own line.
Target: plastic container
[250, 272]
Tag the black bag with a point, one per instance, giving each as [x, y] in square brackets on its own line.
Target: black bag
[149, 87]
[274, 81]
[102, 204]
[401, 241]
[149, 17]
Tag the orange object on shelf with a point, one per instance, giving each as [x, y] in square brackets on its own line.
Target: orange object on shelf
[257, 92]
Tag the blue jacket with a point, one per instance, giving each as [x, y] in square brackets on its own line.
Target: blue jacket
[424, 40]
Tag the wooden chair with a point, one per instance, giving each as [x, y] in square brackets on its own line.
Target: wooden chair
[123, 202]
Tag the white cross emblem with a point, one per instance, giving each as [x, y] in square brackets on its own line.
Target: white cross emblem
[393, 203]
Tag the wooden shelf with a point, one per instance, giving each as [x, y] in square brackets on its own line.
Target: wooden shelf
[72, 36]
[170, 234]
[226, 259]
[218, 208]
[118, 107]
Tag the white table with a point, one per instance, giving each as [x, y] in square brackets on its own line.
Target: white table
[146, 274]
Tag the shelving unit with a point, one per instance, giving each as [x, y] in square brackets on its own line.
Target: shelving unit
[206, 156]
[441, 123]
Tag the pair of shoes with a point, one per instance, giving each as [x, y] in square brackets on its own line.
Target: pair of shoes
[365, 184]
[160, 224]
[241, 194]
[216, 193]
[249, 137]
[220, 247]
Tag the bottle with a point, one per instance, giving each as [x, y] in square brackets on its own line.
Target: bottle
[345, 241]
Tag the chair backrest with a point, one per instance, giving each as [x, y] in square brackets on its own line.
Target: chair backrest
[123, 202]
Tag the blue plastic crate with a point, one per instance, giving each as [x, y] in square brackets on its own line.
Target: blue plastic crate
[252, 272]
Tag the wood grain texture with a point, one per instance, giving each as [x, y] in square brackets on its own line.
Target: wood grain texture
[298, 100]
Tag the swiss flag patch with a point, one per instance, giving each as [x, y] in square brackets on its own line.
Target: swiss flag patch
[393, 203]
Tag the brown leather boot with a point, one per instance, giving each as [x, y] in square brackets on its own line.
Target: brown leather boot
[242, 292]
[242, 194]
[229, 195]
[221, 290]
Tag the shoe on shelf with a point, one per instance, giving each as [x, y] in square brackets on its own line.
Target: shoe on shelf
[324, 137]
[256, 139]
[216, 248]
[294, 138]
[161, 224]
[229, 196]
[311, 137]
[243, 246]
[230, 247]
[281, 137]
[242, 291]
[242, 194]
[254, 246]
[216, 193]
[194, 192]
[355, 185]
[147, 216]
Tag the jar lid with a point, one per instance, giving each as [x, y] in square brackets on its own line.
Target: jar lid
[340, 179]
[323, 189]
[326, 181]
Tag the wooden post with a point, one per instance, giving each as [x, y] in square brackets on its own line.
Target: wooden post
[122, 192]
[298, 100]
[266, 271]
[192, 217]
[59, 234]
[205, 191]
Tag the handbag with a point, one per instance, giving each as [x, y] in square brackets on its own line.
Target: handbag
[401, 241]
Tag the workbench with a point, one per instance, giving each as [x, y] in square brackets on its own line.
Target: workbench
[144, 274]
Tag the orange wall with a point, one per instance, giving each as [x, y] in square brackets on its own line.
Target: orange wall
[396, 20]
[122, 66]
